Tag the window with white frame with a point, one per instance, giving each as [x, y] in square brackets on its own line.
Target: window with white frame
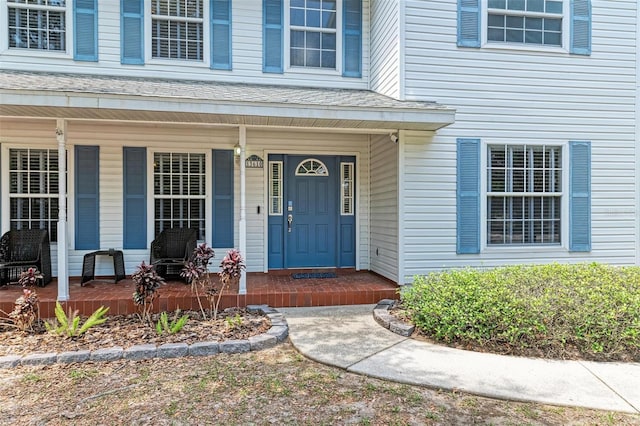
[524, 194]
[275, 188]
[37, 24]
[347, 189]
[313, 33]
[33, 190]
[312, 167]
[177, 29]
[536, 22]
[179, 182]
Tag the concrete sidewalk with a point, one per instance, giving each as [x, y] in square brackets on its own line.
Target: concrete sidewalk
[348, 337]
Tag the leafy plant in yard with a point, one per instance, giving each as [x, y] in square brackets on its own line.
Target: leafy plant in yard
[147, 281]
[30, 277]
[172, 327]
[25, 310]
[196, 271]
[233, 322]
[26, 307]
[592, 308]
[69, 325]
[230, 270]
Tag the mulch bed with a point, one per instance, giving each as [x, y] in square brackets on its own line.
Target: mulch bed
[127, 330]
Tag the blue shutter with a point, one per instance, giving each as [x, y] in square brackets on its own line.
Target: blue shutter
[132, 32]
[87, 208]
[468, 196]
[352, 34]
[85, 34]
[579, 196]
[135, 198]
[469, 23]
[222, 199]
[272, 36]
[221, 34]
[580, 27]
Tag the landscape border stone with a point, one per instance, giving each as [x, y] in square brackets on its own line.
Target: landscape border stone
[278, 333]
[384, 318]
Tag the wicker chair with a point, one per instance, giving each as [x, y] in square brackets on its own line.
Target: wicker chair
[172, 249]
[24, 248]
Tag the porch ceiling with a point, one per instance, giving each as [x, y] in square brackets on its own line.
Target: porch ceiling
[28, 94]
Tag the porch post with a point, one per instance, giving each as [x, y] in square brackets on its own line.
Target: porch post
[242, 225]
[63, 272]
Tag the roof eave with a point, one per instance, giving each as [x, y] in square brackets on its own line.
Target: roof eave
[97, 106]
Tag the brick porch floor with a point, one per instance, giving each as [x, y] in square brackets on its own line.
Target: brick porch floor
[275, 289]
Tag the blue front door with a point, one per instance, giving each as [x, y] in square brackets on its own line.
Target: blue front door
[310, 211]
[309, 225]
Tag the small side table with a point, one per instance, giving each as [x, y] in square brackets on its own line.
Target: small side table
[89, 265]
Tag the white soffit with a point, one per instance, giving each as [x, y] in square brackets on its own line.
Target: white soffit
[24, 94]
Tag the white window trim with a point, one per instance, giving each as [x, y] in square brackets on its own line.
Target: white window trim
[502, 249]
[343, 196]
[4, 38]
[287, 44]
[324, 167]
[208, 206]
[4, 179]
[270, 188]
[566, 36]
[206, 41]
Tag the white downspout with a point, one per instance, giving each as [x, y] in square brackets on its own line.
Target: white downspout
[242, 225]
[63, 267]
[637, 136]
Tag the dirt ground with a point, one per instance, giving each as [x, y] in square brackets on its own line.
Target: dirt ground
[274, 386]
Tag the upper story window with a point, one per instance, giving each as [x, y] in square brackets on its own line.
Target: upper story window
[37, 24]
[545, 25]
[177, 29]
[525, 21]
[313, 33]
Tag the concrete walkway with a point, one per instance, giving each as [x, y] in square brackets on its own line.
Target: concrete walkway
[348, 337]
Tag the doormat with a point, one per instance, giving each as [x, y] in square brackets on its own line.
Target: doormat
[302, 275]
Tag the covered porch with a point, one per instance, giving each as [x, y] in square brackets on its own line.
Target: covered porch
[106, 140]
[276, 289]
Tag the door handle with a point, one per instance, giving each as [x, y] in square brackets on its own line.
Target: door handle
[289, 222]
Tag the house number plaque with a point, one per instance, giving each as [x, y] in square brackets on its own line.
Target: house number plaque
[253, 162]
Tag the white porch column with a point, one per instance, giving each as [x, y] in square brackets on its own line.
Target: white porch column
[242, 225]
[63, 264]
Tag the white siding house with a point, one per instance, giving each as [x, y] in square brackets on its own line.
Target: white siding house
[518, 94]
[398, 137]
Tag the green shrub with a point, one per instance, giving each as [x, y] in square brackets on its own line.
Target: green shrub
[69, 325]
[172, 327]
[592, 308]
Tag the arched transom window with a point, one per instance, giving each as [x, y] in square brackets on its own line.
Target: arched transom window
[312, 167]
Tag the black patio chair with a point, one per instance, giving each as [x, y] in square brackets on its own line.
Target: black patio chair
[21, 249]
[172, 249]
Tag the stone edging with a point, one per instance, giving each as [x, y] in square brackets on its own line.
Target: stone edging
[384, 318]
[276, 334]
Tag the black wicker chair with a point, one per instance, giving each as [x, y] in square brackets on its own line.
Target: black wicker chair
[22, 249]
[172, 249]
